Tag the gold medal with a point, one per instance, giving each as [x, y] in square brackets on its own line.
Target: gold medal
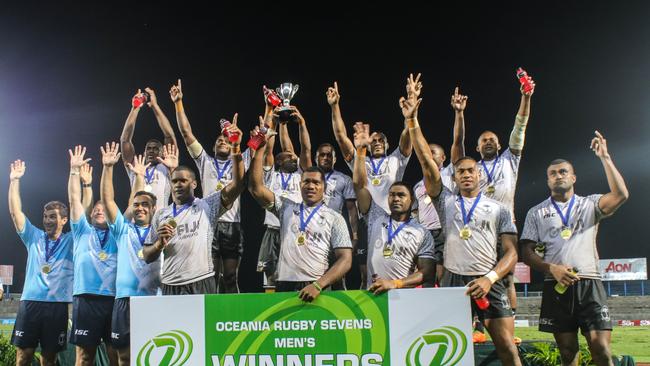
[465, 233]
[148, 188]
[285, 194]
[375, 181]
[140, 254]
[566, 233]
[219, 186]
[102, 256]
[387, 252]
[171, 222]
[46, 268]
[490, 189]
[301, 239]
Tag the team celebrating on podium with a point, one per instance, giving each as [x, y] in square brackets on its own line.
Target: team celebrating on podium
[454, 228]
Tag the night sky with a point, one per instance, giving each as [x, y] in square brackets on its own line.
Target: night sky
[67, 75]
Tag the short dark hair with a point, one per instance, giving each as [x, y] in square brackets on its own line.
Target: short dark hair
[405, 185]
[57, 205]
[186, 168]
[151, 196]
[316, 169]
[561, 161]
[463, 159]
[155, 141]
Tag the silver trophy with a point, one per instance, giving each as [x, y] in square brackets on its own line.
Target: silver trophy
[286, 91]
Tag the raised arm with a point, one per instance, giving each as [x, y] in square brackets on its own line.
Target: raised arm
[138, 168]
[87, 199]
[176, 94]
[270, 119]
[303, 136]
[618, 193]
[413, 89]
[126, 139]
[110, 156]
[285, 140]
[230, 192]
[338, 126]
[256, 186]
[359, 175]
[481, 286]
[15, 204]
[430, 171]
[74, 190]
[163, 121]
[458, 103]
[518, 134]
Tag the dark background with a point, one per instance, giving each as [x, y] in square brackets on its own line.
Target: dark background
[67, 74]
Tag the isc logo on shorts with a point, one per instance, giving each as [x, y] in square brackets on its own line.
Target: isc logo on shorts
[81, 332]
[115, 335]
[19, 333]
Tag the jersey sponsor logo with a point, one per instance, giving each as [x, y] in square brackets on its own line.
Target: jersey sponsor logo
[443, 346]
[171, 348]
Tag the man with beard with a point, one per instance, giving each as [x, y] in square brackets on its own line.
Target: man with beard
[309, 230]
[396, 243]
[566, 225]
[216, 173]
[282, 177]
[499, 172]
[185, 229]
[43, 313]
[382, 170]
[157, 175]
[134, 276]
[95, 266]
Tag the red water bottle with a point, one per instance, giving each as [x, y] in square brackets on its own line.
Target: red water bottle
[232, 137]
[482, 302]
[256, 141]
[139, 100]
[271, 96]
[524, 80]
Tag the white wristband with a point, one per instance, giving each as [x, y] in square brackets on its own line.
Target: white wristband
[492, 276]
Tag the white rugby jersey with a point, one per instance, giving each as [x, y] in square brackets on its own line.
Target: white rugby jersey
[504, 178]
[477, 255]
[413, 241]
[156, 177]
[543, 225]
[273, 181]
[339, 189]
[210, 169]
[388, 171]
[188, 255]
[326, 231]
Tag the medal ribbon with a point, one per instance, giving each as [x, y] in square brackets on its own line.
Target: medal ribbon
[467, 217]
[48, 252]
[565, 220]
[285, 183]
[303, 222]
[375, 168]
[327, 177]
[142, 237]
[101, 238]
[490, 172]
[148, 174]
[183, 208]
[392, 234]
[220, 172]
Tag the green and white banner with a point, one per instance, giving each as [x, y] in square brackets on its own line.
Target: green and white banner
[347, 328]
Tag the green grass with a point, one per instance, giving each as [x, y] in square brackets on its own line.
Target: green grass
[632, 341]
